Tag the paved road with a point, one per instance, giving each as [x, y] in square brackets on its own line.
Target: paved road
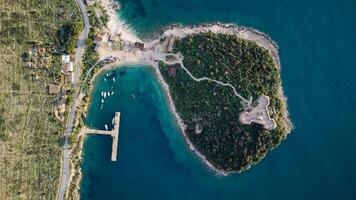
[87, 74]
[79, 51]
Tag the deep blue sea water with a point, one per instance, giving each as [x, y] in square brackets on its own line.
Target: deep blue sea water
[317, 161]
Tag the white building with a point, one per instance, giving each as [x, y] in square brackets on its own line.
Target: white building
[67, 68]
[70, 67]
[90, 2]
[71, 77]
[65, 59]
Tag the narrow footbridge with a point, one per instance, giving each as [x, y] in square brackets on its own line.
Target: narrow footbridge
[114, 133]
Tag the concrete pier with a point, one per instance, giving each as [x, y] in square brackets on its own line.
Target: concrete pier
[114, 133]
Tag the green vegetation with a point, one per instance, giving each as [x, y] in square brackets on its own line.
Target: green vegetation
[90, 55]
[30, 134]
[68, 35]
[90, 58]
[211, 112]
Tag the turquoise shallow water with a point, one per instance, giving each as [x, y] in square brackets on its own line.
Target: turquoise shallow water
[318, 159]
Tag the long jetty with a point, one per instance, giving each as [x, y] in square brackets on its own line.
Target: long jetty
[114, 133]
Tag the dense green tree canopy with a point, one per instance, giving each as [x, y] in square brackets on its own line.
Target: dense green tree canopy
[211, 112]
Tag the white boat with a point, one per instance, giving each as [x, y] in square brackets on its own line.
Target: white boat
[113, 120]
[102, 100]
[105, 79]
[104, 95]
[106, 127]
[113, 79]
[112, 93]
[108, 94]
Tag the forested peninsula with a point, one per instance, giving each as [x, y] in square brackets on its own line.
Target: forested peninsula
[210, 112]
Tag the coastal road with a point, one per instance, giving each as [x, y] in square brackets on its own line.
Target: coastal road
[87, 74]
[79, 51]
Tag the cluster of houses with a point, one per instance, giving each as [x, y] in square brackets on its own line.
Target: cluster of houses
[60, 107]
[67, 68]
[103, 40]
[37, 57]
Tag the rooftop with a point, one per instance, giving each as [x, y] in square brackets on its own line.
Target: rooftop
[54, 89]
[65, 59]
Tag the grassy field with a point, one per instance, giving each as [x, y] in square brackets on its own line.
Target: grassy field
[30, 135]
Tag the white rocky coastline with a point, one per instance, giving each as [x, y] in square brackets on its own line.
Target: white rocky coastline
[181, 124]
[117, 25]
[180, 32]
[242, 32]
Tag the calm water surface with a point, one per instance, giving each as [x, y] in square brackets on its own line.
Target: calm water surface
[317, 161]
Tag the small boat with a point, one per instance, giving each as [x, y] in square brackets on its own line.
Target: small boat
[102, 100]
[112, 93]
[106, 127]
[113, 79]
[113, 120]
[105, 79]
[108, 94]
[104, 95]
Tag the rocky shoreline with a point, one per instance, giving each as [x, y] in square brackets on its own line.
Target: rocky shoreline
[246, 33]
[242, 32]
[179, 31]
[181, 124]
[115, 24]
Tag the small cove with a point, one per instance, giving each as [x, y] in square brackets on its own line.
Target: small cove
[317, 161]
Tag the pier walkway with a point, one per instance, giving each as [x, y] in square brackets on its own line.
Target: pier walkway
[114, 133]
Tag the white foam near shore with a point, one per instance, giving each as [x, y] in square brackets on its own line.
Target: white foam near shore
[180, 32]
[246, 33]
[117, 25]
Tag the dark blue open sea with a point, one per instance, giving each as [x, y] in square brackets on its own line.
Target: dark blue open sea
[317, 161]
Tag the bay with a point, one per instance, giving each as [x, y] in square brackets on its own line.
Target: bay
[317, 161]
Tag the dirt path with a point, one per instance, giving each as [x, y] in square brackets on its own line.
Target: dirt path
[179, 60]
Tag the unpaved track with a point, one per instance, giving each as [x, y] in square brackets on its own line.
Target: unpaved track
[179, 60]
